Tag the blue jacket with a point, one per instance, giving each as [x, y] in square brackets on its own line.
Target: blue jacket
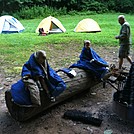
[98, 66]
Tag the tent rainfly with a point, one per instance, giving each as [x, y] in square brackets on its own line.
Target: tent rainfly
[87, 25]
[9, 24]
[51, 25]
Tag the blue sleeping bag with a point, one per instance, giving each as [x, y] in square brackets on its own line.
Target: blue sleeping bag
[90, 60]
[20, 94]
[54, 82]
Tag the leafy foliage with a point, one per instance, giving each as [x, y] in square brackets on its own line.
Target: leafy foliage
[99, 6]
[125, 6]
[38, 12]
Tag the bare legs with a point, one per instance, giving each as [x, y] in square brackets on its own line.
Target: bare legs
[121, 61]
[129, 59]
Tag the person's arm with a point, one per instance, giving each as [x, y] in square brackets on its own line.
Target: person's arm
[99, 63]
[45, 88]
[124, 33]
[44, 85]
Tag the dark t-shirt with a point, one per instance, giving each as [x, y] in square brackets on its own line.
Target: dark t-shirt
[125, 35]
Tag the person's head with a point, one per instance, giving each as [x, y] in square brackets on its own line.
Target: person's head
[40, 56]
[87, 44]
[121, 19]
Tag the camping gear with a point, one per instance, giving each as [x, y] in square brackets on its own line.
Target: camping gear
[69, 71]
[41, 32]
[122, 109]
[123, 100]
[87, 25]
[9, 24]
[83, 116]
[20, 94]
[51, 25]
[117, 80]
[33, 88]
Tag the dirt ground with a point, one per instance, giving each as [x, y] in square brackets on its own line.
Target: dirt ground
[97, 100]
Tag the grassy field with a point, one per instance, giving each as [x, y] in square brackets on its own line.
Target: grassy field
[15, 49]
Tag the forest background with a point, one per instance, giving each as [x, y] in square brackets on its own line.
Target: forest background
[28, 9]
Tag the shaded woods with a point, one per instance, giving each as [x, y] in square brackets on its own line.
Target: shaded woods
[98, 6]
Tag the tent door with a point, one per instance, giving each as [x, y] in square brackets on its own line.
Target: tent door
[54, 29]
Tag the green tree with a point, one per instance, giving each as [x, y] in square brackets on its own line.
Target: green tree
[125, 6]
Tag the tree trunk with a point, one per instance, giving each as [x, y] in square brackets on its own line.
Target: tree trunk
[82, 81]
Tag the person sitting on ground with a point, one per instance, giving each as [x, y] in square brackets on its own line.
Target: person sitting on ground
[41, 32]
[90, 60]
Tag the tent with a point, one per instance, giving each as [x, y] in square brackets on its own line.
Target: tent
[9, 24]
[51, 25]
[87, 25]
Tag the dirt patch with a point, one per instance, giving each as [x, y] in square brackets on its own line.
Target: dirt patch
[51, 121]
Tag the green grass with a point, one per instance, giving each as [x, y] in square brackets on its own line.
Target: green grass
[15, 49]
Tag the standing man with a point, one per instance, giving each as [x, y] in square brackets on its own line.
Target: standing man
[124, 40]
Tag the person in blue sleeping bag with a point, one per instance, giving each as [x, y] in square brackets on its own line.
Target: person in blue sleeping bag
[37, 75]
[37, 67]
[90, 60]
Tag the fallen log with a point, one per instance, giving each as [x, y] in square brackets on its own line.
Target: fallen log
[81, 82]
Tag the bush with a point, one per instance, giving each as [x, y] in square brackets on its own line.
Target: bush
[98, 7]
[39, 12]
[125, 6]
[33, 8]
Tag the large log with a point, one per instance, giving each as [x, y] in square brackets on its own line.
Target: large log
[81, 82]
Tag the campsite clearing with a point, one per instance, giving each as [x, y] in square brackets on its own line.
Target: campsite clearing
[97, 101]
[16, 48]
[62, 50]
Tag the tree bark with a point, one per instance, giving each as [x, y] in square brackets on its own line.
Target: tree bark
[81, 82]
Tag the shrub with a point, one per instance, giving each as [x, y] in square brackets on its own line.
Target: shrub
[98, 7]
[37, 12]
[125, 6]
